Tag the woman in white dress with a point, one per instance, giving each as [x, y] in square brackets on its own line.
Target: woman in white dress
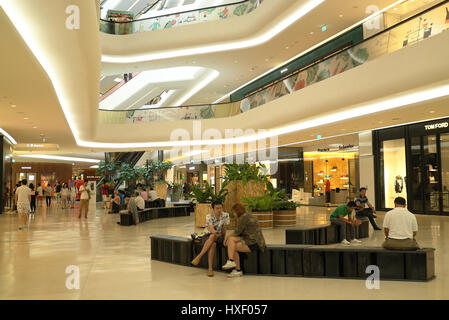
[65, 193]
[73, 192]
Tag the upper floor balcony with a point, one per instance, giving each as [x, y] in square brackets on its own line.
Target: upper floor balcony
[160, 15]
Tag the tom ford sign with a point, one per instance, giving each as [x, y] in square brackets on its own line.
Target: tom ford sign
[435, 126]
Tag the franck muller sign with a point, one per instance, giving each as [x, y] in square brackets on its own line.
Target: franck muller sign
[435, 126]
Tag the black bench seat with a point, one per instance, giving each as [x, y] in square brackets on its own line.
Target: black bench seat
[332, 261]
[322, 235]
[126, 218]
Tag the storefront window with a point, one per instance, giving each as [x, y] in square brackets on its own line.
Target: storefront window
[445, 170]
[394, 171]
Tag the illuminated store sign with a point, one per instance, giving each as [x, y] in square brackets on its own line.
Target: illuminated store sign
[26, 168]
[435, 126]
[349, 146]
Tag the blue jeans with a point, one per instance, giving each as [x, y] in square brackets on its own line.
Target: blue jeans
[342, 229]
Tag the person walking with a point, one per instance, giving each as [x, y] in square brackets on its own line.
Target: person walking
[73, 193]
[23, 198]
[65, 193]
[58, 189]
[84, 200]
[47, 193]
[104, 194]
[33, 199]
[40, 194]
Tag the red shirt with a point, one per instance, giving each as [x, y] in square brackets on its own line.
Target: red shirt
[104, 190]
[328, 186]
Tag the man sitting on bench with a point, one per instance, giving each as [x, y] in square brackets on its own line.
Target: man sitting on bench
[337, 218]
[400, 228]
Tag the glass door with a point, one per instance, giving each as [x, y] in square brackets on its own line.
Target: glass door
[444, 147]
[430, 174]
[432, 181]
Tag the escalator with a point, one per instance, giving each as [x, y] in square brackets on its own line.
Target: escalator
[119, 157]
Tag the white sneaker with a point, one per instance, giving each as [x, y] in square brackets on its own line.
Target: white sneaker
[356, 241]
[345, 242]
[235, 274]
[229, 265]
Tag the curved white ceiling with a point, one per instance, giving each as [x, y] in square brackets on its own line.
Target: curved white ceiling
[183, 81]
[70, 98]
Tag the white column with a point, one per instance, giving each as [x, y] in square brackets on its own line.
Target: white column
[366, 164]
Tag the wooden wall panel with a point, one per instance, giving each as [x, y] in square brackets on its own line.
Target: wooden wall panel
[61, 171]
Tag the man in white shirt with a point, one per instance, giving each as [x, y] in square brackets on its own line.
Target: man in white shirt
[23, 198]
[400, 228]
[139, 201]
[152, 195]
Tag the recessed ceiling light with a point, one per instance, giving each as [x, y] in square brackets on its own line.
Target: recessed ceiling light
[25, 118]
[380, 122]
[235, 61]
[341, 16]
[34, 127]
[13, 106]
[432, 111]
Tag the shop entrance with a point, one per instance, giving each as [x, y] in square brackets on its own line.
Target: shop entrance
[430, 173]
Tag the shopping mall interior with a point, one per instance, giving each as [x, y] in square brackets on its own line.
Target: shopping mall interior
[286, 107]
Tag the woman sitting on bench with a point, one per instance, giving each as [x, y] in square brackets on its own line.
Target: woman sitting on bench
[247, 237]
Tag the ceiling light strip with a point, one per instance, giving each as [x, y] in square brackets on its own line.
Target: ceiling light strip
[8, 136]
[363, 110]
[61, 158]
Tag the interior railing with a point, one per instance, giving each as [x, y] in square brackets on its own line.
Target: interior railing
[178, 19]
[408, 32]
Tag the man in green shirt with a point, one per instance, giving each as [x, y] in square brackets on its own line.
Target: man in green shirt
[338, 218]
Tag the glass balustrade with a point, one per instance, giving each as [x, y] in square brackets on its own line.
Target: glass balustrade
[405, 34]
[168, 21]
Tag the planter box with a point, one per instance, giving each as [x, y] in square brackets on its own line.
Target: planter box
[265, 219]
[201, 211]
[284, 218]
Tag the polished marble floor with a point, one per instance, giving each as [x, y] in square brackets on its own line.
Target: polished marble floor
[114, 262]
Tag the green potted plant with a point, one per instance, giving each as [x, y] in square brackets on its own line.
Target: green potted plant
[202, 199]
[243, 180]
[262, 208]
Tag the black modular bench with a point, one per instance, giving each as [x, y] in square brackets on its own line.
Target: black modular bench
[323, 235]
[307, 260]
[126, 219]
